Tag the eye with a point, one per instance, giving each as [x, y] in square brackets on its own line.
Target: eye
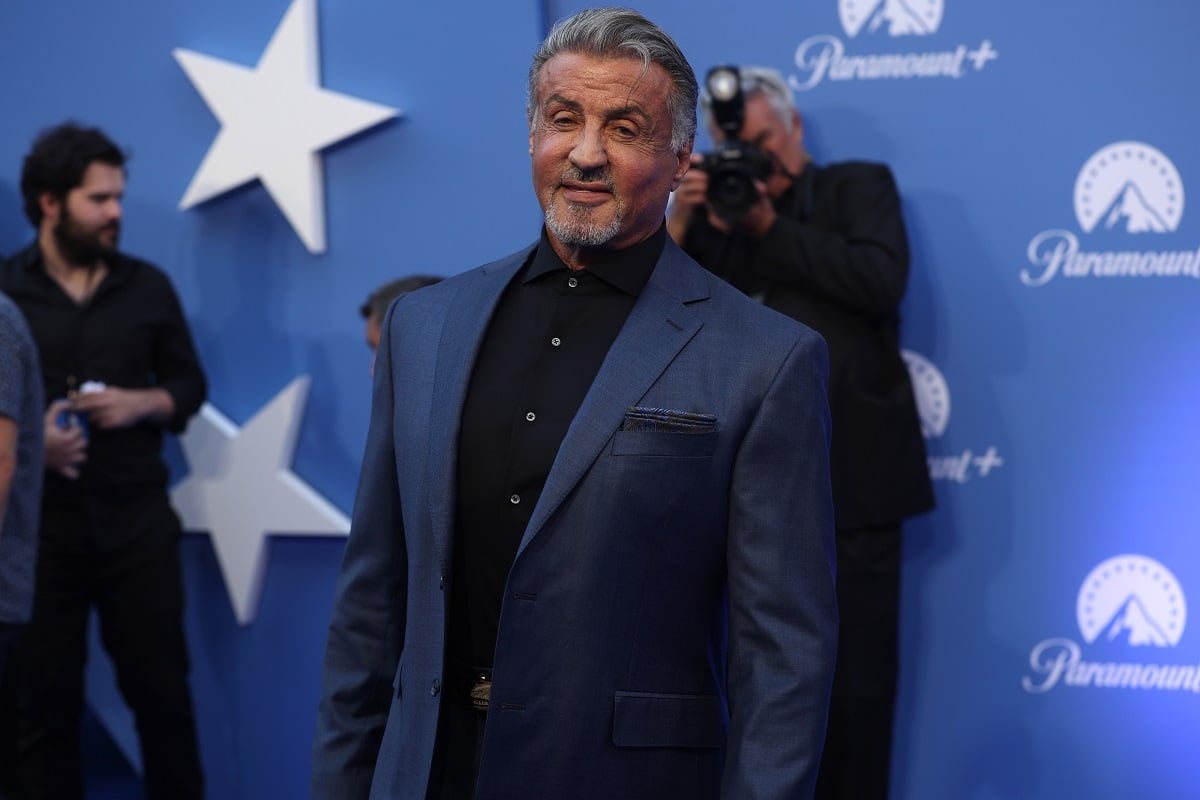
[562, 121]
[624, 130]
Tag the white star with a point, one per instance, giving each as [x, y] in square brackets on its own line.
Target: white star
[275, 119]
[240, 488]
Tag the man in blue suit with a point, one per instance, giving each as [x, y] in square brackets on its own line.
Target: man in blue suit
[591, 554]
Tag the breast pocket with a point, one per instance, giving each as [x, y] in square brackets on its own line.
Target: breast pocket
[664, 444]
[648, 719]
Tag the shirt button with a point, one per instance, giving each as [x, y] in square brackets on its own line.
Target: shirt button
[530, 417]
[556, 341]
[572, 282]
[437, 687]
[516, 498]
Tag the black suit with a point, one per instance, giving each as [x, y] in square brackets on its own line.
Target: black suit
[837, 260]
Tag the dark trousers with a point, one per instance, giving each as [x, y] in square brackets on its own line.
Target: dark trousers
[858, 740]
[456, 752]
[138, 594]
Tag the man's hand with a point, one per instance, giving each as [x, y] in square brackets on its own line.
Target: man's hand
[693, 193]
[690, 195]
[112, 407]
[65, 448]
[758, 219]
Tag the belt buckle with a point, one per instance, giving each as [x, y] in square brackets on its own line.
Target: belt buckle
[481, 693]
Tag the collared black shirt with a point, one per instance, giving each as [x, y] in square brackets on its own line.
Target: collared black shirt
[131, 334]
[550, 333]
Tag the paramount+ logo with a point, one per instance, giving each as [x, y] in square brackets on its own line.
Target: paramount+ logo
[875, 23]
[932, 394]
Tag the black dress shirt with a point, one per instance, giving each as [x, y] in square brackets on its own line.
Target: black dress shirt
[550, 333]
[130, 334]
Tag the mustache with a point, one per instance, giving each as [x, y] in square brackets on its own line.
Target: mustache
[597, 175]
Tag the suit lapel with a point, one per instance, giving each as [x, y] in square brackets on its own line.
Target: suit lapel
[465, 322]
[658, 327]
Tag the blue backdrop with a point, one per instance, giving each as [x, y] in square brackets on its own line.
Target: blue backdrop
[1044, 152]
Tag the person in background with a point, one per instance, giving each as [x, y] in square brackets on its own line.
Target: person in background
[826, 246]
[376, 304]
[21, 410]
[591, 554]
[119, 368]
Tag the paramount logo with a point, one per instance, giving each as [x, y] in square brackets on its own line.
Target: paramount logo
[825, 56]
[1057, 252]
[1056, 661]
[1128, 601]
[1124, 188]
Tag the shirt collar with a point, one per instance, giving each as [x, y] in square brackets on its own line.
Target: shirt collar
[36, 279]
[627, 270]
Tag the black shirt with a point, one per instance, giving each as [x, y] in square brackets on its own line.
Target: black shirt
[131, 334]
[546, 341]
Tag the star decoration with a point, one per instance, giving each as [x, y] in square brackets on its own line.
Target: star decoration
[275, 120]
[240, 488]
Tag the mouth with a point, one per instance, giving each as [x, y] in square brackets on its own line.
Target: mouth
[587, 192]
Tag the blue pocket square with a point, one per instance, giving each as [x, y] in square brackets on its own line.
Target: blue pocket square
[665, 420]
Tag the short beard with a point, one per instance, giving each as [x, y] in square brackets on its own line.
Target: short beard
[571, 223]
[79, 248]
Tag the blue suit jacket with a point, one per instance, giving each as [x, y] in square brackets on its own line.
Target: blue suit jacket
[669, 623]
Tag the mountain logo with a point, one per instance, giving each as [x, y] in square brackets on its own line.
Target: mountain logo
[1131, 600]
[891, 17]
[1129, 187]
[931, 391]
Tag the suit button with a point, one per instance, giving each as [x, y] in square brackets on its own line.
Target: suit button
[437, 687]
[442, 582]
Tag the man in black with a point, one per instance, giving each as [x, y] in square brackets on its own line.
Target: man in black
[119, 367]
[827, 246]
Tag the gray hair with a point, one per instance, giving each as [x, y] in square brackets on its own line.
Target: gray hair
[758, 80]
[621, 32]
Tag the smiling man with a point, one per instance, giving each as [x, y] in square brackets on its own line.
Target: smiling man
[591, 557]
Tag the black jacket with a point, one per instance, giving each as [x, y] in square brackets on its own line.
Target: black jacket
[837, 260]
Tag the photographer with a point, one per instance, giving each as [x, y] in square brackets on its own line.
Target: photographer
[826, 246]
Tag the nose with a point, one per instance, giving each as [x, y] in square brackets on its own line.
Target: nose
[589, 152]
[113, 208]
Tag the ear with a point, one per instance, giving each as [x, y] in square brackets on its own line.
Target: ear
[683, 164]
[51, 207]
[798, 127]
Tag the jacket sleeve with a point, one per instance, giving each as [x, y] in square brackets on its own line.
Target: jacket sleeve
[782, 604]
[366, 630]
[860, 259]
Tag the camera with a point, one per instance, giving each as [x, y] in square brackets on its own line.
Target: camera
[734, 165]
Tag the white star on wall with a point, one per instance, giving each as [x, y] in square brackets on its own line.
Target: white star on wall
[275, 118]
[240, 488]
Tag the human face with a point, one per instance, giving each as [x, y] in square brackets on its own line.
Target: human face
[87, 222]
[775, 136]
[373, 332]
[603, 167]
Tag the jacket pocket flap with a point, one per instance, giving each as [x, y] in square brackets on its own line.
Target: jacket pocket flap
[645, 719]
